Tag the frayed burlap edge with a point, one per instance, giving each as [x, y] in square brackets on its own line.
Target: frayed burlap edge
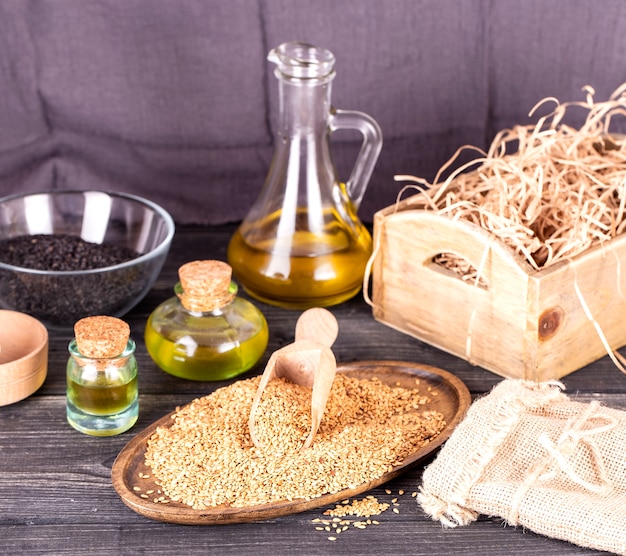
[453, 510]
[453, 490]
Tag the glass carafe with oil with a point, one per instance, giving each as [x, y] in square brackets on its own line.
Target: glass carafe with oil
[301, 244]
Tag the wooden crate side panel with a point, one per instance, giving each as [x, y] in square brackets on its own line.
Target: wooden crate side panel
[485, 326]
[550, 296]
[596, 279]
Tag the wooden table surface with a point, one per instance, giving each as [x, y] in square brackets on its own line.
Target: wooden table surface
[56, 495]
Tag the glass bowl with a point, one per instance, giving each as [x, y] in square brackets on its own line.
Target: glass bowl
[117, 221]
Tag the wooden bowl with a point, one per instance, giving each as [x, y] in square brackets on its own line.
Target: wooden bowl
[23, 356]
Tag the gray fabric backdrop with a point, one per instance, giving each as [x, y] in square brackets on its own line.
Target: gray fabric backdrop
[173, 99]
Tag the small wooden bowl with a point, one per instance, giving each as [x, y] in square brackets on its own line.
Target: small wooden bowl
[23, 356]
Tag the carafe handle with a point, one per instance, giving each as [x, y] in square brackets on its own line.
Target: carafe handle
[368, 155]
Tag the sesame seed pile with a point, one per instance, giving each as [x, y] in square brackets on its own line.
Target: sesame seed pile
[362, 509]
[365, 507]
[206, 457]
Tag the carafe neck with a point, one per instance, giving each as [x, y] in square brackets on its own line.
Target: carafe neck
[304, 105]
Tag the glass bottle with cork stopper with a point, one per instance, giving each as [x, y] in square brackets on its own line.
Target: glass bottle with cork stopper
[206, 332]
[102, 393]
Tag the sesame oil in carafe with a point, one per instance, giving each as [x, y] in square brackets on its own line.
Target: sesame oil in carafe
[287, 274]
[301, 244]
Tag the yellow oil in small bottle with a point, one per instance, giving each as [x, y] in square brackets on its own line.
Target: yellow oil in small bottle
[101, 397]
[181, 356]
[311, 269]
[101, 377]
[206, 332]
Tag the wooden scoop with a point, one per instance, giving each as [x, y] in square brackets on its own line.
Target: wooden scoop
[309, 361]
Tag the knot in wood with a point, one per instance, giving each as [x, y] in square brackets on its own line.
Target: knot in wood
[549, 323]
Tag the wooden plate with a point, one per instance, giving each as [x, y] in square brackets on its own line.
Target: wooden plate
[452, 401]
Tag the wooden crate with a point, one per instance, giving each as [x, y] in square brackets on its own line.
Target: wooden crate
[523, 323]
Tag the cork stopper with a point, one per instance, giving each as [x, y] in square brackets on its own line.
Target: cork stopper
[101, 337]
[205, 285]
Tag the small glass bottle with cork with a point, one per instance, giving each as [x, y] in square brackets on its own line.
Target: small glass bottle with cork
[102, 393]
[206, 332]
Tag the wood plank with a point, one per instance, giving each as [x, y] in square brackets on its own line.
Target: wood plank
[56, 495]
[518, 322]
[403, 536]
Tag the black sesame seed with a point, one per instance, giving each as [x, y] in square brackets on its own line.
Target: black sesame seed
[60, 252]
[59, 299]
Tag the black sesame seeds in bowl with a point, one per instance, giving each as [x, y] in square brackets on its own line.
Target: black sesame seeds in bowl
[65, 255]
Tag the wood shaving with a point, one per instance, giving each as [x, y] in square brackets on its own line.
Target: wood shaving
[562, 190]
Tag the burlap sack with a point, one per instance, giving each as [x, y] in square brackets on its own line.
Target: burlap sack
[529, 454]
